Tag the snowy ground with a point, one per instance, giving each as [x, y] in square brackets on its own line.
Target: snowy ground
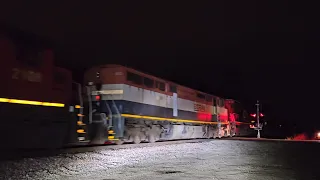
[217, 159]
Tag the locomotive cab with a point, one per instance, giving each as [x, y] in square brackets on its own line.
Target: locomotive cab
[102, 116]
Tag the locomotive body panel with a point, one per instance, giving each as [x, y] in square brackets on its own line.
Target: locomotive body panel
[138, 101]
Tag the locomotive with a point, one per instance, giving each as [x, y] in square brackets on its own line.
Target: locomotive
[140, 107]
[34, 95]
[41, 106]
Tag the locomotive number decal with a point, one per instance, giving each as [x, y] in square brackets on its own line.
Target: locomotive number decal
[26, 75]
[118, 73]
[199, 108]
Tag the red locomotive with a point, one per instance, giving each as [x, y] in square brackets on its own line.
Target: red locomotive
[35, 94]
[115, 104]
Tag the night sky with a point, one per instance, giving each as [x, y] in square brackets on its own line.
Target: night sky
[246, 50]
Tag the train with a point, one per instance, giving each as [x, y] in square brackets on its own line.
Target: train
[41, 106]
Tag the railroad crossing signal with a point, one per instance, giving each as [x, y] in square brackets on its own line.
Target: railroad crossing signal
[259, 126]
[255, 115]
[258, 114]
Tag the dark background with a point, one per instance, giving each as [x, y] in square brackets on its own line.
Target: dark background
[246, 50]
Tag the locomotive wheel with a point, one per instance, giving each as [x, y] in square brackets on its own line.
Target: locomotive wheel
[151, 138]
[119, 142]
[136, 139]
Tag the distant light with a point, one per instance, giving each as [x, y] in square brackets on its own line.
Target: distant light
[261, 115]
[252, 121]
[98, 98]
[318, 135]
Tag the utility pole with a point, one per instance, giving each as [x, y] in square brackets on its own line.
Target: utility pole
[258, 118]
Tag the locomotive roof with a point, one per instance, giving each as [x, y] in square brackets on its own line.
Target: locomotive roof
[142, 73]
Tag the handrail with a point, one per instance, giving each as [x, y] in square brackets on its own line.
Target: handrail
[90, 104]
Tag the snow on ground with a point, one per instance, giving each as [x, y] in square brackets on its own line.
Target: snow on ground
[217, 159]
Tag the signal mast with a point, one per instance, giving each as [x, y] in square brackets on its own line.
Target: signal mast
[258, 122]
[258, 115]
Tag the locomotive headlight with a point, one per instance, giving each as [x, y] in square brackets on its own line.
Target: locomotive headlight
[318, 135]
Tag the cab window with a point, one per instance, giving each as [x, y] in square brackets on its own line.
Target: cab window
[148, 82]
[134, 78]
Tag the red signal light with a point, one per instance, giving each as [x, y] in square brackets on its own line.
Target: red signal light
[253, 115]
[98, 98]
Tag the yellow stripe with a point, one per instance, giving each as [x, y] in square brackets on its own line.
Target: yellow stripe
[170, 119]
[37, 103]
[4, 100]
[52, 104]
[238, 122]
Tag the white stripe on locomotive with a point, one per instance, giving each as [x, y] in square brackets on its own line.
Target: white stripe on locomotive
[144, 96]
